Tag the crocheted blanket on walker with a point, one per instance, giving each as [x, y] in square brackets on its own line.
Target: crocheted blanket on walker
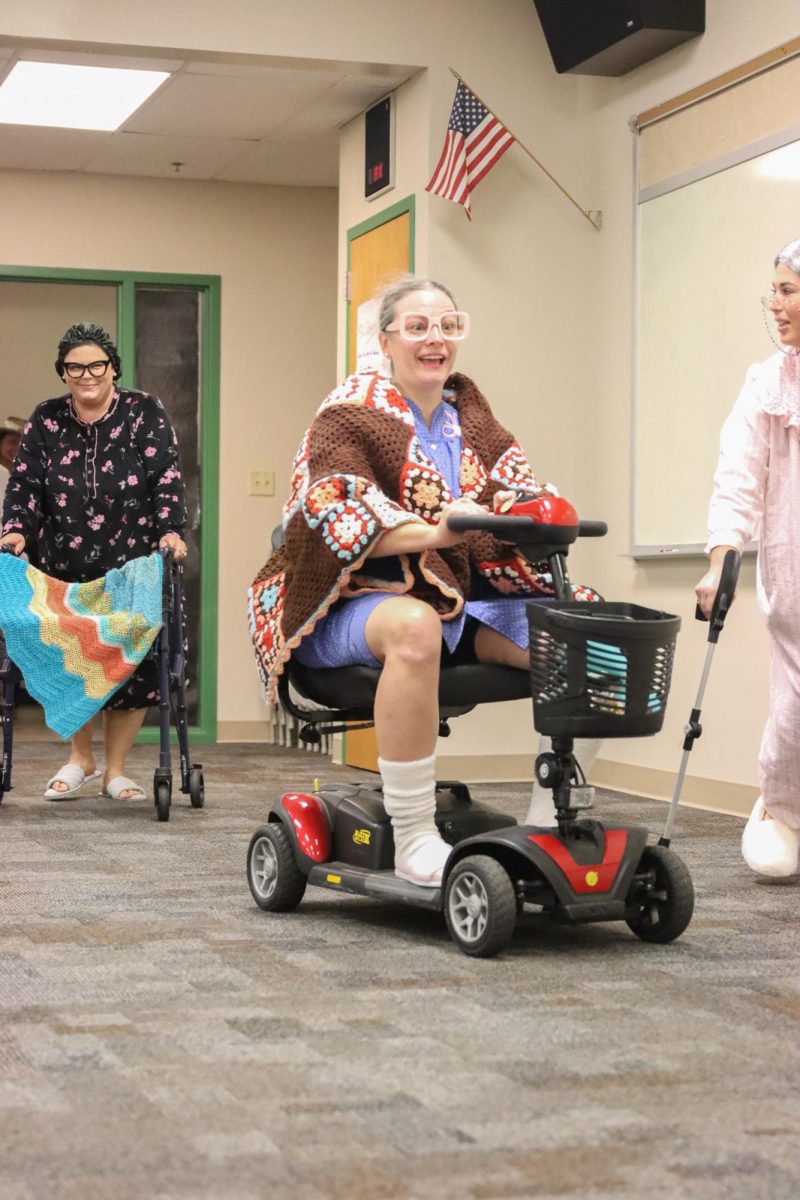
[77, 643]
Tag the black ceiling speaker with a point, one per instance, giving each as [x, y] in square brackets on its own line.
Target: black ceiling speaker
[611, 37]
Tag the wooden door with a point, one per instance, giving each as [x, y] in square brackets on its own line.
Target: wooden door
[376, 257]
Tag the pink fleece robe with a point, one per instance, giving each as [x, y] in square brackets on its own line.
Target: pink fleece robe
[757, 490]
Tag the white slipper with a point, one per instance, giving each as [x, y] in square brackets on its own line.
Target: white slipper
[119, 784]
[768, 846]
[424, 861]
[73, 776]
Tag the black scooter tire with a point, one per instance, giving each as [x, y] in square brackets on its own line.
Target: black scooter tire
[667, 906]
[276, 882]
[480, 906]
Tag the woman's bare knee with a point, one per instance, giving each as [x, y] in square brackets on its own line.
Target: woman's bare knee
[407, 630]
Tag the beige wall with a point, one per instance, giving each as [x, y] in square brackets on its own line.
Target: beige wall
[33, 319]
[552, 300]
[275, 250]
[552, 304]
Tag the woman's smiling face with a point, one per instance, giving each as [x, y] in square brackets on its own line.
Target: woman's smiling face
[93, 391]
[420, 368]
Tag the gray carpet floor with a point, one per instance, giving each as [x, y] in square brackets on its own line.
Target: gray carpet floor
[161, 1037]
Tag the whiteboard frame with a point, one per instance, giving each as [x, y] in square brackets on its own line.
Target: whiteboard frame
[676, 550]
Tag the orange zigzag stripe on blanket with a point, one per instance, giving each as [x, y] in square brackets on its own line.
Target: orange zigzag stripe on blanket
[100, 666]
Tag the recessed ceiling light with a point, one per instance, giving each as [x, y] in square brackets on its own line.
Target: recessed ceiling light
[69, 97]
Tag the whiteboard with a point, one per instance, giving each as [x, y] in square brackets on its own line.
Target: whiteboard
[706, 241]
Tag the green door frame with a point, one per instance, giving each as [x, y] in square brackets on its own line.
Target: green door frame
[209, 285]
[357, 231]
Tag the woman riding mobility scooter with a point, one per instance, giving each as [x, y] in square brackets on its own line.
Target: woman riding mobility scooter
[597, 670]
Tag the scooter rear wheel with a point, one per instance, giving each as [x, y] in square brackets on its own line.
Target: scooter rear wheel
[480, 906]
[276, 882]
[663, 893]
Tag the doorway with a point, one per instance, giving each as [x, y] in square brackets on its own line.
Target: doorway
[167, 332]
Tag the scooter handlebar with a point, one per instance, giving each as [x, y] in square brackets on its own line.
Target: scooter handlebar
[592, 529]
[514, 529]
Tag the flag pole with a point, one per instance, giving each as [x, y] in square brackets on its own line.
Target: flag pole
[594, 219]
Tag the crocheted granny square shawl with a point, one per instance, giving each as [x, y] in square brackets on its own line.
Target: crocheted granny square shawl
[77, 643]
[360, 471]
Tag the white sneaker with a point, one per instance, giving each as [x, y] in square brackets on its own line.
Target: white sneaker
[768, 846]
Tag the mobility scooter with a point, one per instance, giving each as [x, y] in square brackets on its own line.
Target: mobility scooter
[597, 670]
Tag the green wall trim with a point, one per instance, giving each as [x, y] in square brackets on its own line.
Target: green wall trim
[210, 286]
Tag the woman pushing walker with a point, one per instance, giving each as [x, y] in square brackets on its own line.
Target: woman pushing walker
[96, 483]
[371, 574]
[757, 488]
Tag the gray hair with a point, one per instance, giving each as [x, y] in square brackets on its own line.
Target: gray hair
[790, 256]
[403, 287]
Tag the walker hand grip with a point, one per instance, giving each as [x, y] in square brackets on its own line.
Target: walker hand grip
[726, 590]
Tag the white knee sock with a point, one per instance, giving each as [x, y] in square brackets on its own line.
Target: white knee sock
[542, 806]
[409, 797]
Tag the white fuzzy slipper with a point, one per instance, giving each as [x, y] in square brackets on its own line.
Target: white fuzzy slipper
[73, 776]
[768, 846]
[119, 784]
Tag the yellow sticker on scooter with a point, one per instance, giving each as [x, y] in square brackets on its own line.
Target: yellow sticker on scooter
[333, 879]
[361, 837]
[592, 878]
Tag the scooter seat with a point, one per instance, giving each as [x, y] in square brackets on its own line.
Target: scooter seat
[461, 687]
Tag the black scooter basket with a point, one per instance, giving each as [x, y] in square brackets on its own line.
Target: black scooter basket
[600, 669]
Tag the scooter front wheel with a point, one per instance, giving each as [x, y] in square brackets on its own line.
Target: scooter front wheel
[661, 900]
[276, 882]
[480, 906]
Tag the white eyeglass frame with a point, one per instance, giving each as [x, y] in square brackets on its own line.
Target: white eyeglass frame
[400, 326]
[780, 300]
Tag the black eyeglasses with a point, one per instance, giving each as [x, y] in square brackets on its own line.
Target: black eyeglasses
[77, 370]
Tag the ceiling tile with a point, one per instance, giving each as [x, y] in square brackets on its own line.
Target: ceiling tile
[221, 106]
[339, 105]
[150, 154]
[40, 148]
[289, 164]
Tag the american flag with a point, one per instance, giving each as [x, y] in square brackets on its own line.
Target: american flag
[475, 141]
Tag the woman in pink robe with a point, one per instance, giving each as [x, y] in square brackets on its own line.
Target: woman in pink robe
[757, 489]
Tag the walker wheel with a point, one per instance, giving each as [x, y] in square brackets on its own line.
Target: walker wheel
[163, 799]
[661, 899]
[276, 881]
[480, 906]
[197, 790]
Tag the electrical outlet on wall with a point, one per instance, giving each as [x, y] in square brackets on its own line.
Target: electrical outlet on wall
[262, 483]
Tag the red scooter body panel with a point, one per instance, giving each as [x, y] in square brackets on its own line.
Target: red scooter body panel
[586, 877]
[310, 824]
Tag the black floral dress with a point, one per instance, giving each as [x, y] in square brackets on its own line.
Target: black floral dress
[92, 496]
